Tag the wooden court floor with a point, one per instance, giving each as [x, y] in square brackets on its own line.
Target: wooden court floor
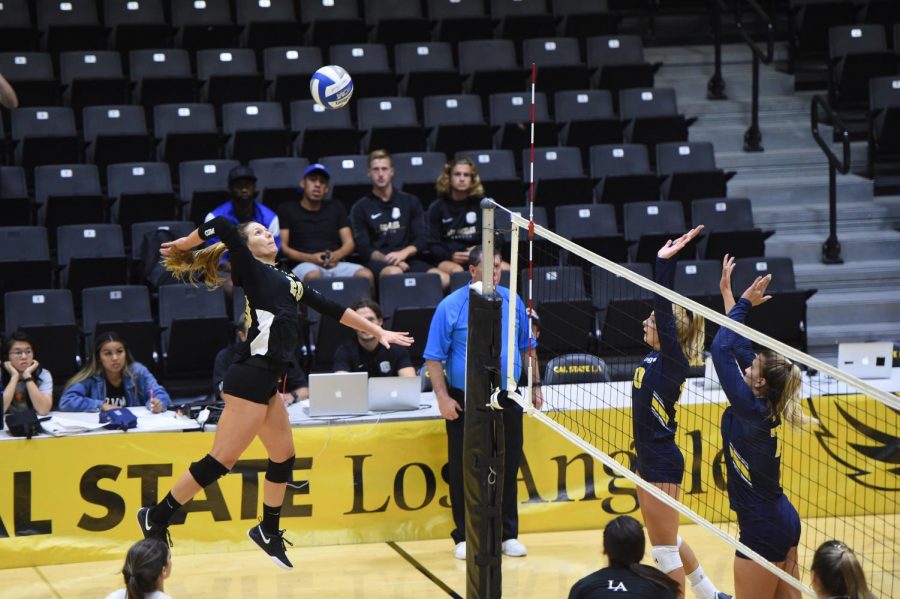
[371, 571]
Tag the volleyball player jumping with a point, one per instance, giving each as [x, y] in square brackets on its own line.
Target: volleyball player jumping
[250, 388]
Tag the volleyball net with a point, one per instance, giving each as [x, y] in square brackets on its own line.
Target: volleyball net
[841, 471]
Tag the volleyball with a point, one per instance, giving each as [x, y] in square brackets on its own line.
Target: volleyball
[331, 86]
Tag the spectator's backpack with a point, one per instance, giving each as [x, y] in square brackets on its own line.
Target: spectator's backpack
[151, 269]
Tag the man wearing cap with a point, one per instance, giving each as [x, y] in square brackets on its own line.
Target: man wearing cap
[316, 233]
[243, 206]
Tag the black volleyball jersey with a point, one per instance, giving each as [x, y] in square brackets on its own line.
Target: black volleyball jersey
[273, 298]
[453, 226]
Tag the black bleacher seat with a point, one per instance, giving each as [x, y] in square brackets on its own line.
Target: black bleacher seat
[229, 75]
[369, 67]
[728, 228]
[287, 70]
[607, 287]
[622, 307]
[203, 186]
[698, 279]
[522, 19]
[623, 175]
[497, 171]
[140, 191]
[92, 78]
[688, 172]
[810, 21]
[15, 204]
[136, 24]
[881, 12]
[71, 25]
[48, 317]
[322, 132]
[545, 254]
[583, 18]
[349, 177]
[417, 172]
[268, 23]
[592, 226]
[195, 327]
[650, 224]
[336, 22]
[456, 123]
[490, 67]
[204, 25]
[45, 135]
[571, 369]
[559, 178]
[68, 194]
[883, 120]
[161, 76]
[139, 232]
[17, 32]
[651, 117]
[328, 333]
[256, 130]
[31, 75]
[619, 62]
[458, 279]
[126, 310]
[397, 21]
[186, 132]
[90, 255]
[115, 134]
[24, 258]
[511, 115]
[558, 63]
[426, 69]
[408, 302]
[586, 118]
[278, 179]
[459, 20]
[564, 307]
[857, 53]
[390, 123]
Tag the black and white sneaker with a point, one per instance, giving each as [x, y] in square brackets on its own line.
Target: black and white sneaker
[272, 544]
[152, 530]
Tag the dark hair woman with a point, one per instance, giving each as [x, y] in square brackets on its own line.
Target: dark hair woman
[25, 384]
[837, 573]
[147, 565]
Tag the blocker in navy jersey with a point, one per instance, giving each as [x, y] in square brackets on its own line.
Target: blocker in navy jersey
[655, 391]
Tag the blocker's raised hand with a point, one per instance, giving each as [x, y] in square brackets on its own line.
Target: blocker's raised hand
[673, 247]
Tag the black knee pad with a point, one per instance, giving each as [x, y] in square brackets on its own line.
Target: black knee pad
[280, 472]
[207, 470]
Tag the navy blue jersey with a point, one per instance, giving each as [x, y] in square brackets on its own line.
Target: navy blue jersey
[659, 379]
[388, 226]
[273, 299]
[749, 429]
[453, 226]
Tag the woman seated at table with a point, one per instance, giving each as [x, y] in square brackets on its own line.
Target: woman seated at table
[25, 384]
[113, 379]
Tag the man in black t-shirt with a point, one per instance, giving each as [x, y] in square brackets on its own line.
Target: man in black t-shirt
[315, 233]
[365, 354]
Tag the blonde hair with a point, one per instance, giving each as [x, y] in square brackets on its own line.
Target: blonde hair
[839, 571]
[195, 266]
[783, 388]
[379, 155]
[691, 329]
[95, 366]
[443, 180]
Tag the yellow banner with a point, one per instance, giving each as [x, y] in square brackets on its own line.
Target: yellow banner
[74, 499]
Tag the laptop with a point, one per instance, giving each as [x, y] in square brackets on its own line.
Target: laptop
[866, 360]
[342, 394]
[392, 393]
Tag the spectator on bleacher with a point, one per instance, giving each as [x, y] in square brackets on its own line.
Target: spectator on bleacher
[316, 233]
[113, 379]
[243, 205]
[147, 565]
[454, 219]
[836, 572]
[294, 385]
[365, 354]
[624, 545]
[25, 384]
[8, 98]
[389, 225]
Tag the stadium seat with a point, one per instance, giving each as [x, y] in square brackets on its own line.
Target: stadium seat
[698, 279]
[558, 62]
[161, 76]
[278, 179]
[592, 226]
[194, 326]
[204, 185]
[559, 178]
[67, 194]
[511, 115]
[92, 78]
[115, 134]
[90, 256]
[583, 18]
[229, 75]
[728, 228]
[137, 24]
[336, 22]
[267, 23]
[204, 25]
[186, 132]
[24, 258]
[48, 317]
[497, 171]
[607, 287]
[139, 231]
[651, 117]
[522, 19]
[328, 333]
[323, 132]
[15, 204]
[256, 130]
[369, 66]
[31, 75]
[688, 172]
[349, 177]
[573, 369]
[619, 63]
[140, 191]
[455, 123]
[880, 12]
[650, 224]
[67, 26]
[545, 254]
[883, 120]
[586, 118]
[459, 20]
[490, 67]
[458, 279]
[417, 173]
[408, 302]
[426, 69]
[287, 70]
[809, 22]
[564, 308]
[623, 175]
[126, 310]
[857, 54]
[17, 33]
[390, 123]
[397, 21]
[624, 307]
[45, 135]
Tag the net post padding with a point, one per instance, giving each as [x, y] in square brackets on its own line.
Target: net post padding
[483, 448]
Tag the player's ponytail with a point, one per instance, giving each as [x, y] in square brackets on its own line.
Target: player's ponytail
[691, 329]
[144, 564]
[839, 571]
[624, 544]
[783, 382]
[194, 266]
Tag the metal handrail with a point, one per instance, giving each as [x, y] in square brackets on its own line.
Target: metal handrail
[764, 57]
[831, 249]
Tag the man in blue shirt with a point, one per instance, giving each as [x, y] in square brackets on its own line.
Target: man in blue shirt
[243, 205]
[446, 344]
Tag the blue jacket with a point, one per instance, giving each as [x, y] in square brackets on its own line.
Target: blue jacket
[88, 395]
[261, 214]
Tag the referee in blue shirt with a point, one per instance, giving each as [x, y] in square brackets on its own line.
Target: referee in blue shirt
[447, 346]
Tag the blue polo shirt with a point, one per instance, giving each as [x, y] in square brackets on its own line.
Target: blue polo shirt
[262, 214]
[449, 331]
